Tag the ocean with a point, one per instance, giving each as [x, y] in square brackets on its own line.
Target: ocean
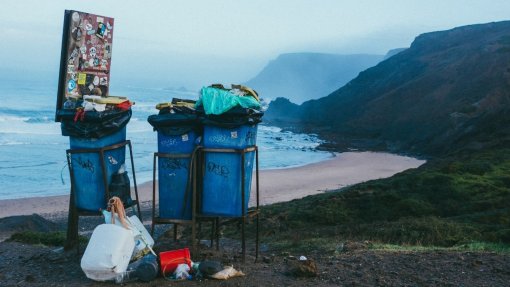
[32, 149]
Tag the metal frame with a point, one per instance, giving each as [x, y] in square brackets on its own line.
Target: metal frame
[245, 213]
[74, 212]
[175, 222]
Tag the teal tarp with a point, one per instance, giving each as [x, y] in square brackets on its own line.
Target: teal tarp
[218, 101]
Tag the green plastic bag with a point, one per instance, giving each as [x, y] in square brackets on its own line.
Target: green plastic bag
[218, 101]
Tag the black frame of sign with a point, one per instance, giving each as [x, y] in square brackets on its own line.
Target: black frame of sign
[85, 58]
[63, 63]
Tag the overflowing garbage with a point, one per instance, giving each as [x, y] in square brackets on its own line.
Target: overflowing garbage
[94, 117]
[121, 249]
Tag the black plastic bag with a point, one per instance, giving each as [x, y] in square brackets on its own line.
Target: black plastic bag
[120, 187]
[234, 118]
[94, 124]
[177, 123]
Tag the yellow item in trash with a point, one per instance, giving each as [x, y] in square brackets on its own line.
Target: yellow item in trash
[161, 106]
[105, 100]
[247, 90]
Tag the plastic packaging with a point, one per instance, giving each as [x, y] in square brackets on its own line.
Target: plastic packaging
[141, 236]
[94, 124]
[145, 270]
[108, 252]
[120, 186]
[218, 101]
[127, 276]
[182, 272]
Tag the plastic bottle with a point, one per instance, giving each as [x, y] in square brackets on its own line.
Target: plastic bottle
[126, 276]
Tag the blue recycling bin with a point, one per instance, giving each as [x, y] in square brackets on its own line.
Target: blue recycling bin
[89, 189]
[222, 178]
[175, 193]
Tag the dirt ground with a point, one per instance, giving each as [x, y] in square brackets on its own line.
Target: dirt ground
[355, 265]
[26, 265]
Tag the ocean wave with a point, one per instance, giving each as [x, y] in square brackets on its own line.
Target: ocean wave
[39, 120]
[5, 143]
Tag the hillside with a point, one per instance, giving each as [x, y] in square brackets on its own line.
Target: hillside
[305, 76]
[450, 90]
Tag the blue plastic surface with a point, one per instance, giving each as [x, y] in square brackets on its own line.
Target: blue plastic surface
[173, 174]
[222, 187]
[89, 189]
[177, 144]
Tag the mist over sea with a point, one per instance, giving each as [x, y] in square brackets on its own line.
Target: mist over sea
[32, 149]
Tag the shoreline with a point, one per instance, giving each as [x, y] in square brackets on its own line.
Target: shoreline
[276, 185]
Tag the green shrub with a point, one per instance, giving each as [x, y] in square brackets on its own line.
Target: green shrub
[44, 238]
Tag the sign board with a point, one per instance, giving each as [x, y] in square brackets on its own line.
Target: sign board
[85, 57]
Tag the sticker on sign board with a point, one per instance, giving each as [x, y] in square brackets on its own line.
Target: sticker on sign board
[81, 78]
[70, 69]
[88, 26]
[71, 85]
[96, 81]
[76, 33]
[233, 134]
[185, 137]
[107, 50]
[74, 54]
[76, 17]
[93, 52]
[101, 29]
[99, 19]
[103, 81]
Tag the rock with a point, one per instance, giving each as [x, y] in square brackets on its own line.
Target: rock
[266, 259]
[29, 278]
[32, 222]
[301, 268]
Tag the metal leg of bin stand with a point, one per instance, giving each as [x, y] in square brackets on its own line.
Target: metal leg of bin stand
[74, 213]
[245, 214]
[153, 194]
[176, 222]
[72, 218]
[243, 208]
[257, 210]
[134, 180]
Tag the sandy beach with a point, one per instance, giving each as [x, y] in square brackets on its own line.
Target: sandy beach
[277, 185]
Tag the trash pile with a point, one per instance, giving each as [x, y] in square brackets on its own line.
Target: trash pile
[93, 116]
[120, 250]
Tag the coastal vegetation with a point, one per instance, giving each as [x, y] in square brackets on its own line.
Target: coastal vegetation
[459, 202]
[445, 99]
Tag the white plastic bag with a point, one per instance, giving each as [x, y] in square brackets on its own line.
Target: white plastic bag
[182, 272]
[108, 252]
[226, 273]
[143, 239]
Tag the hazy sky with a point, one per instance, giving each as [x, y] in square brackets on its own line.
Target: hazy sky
[194, 43]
